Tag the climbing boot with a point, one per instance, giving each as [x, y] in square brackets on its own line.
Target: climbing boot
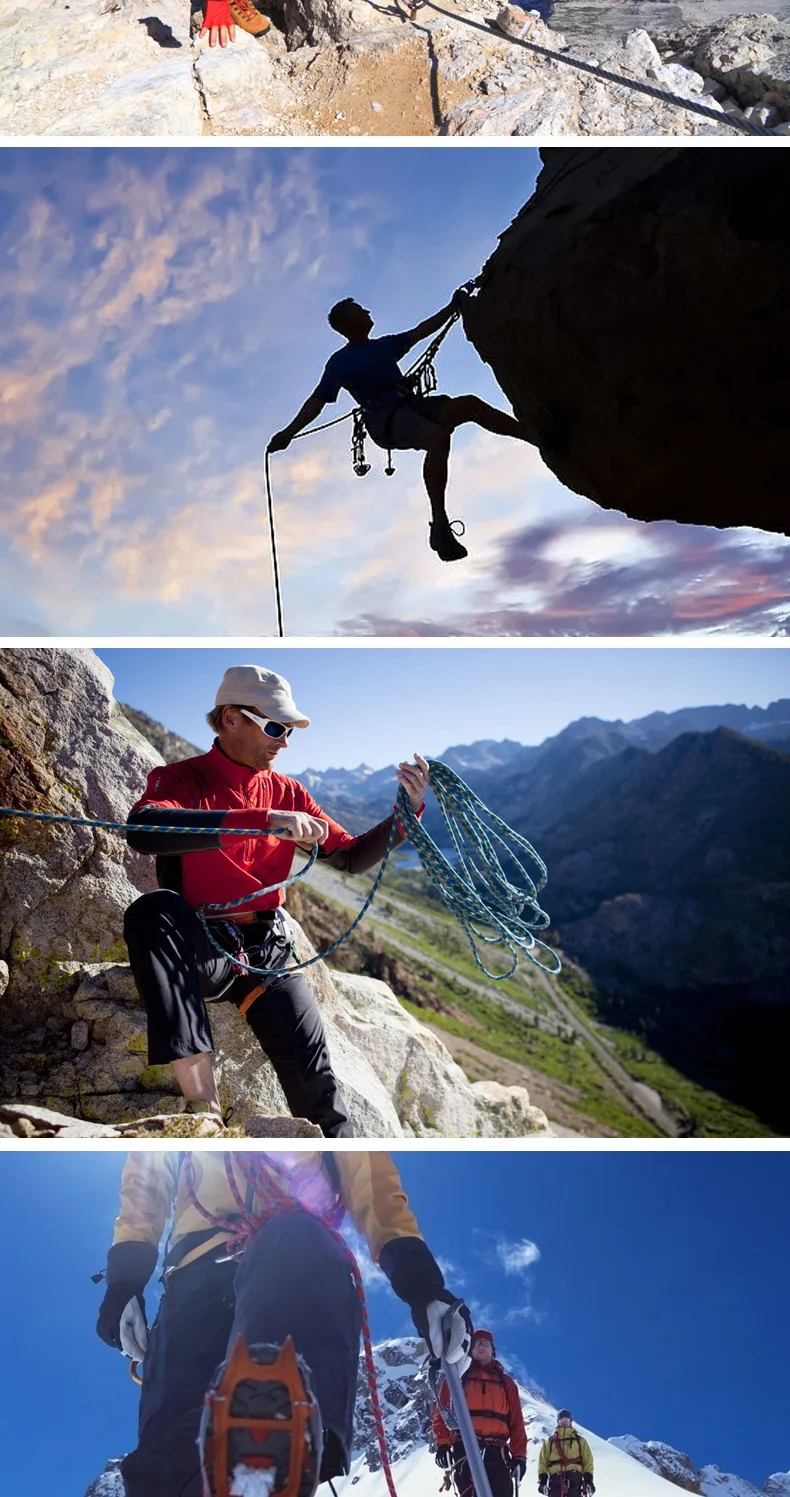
[260, 1433]
[250, 20]
[443, 540]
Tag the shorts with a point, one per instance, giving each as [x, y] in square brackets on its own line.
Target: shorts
[404, 426]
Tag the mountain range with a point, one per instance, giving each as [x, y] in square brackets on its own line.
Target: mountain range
[624, 1465]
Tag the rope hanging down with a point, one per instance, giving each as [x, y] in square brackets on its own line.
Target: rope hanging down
[491, 906]
[410, 9]
[421, 376]
[260, 1176]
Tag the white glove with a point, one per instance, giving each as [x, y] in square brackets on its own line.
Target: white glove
[297, 826]
[449, 1333]
[133, 1331]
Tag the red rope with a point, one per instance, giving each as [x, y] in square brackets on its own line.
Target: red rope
[275, 1197]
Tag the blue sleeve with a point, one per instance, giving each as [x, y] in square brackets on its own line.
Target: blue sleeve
[398, 344]
[329, 385]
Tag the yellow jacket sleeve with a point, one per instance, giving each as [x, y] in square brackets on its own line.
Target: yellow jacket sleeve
[148, 1187]
[375, 1199]
[587, 1456]
[543, 1463]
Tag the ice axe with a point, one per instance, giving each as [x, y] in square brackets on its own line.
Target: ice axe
[463, 1418]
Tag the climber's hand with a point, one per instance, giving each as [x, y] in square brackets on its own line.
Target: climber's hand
[460, 298]
[415, 779]
[122, 1323]
[443, 1456]
[518, 1466]
[543, 1483]
[218, 23]
[297, 826]
[279, 442]
[448, 1331]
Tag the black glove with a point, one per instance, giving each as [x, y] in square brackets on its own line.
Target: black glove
[543, 1483]
[117, 1297]
[589, 1484]
[443, 1456]
[518, 1465]
[129, 1267]
[460, 298]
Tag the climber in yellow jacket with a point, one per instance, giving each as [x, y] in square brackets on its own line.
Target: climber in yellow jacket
[566, 1468]
[252, 1263]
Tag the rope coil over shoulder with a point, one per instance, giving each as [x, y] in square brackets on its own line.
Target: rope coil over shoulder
[491, 887]
[270, 1197]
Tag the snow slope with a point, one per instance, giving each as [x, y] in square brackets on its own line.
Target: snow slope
[624, 1466]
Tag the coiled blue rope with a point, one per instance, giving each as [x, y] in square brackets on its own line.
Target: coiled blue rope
[491, 905]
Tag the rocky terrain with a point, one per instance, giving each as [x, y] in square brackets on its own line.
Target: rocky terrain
[72, 1029]
[624, 1467]
[349, 67]
[584, 312]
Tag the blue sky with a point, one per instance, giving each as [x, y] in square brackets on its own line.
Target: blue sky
[657, 1305]
[431, 698]
[164, 313]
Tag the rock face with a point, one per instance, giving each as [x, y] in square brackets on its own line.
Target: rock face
[71, 1025]
[585, 313]
[709, 1481]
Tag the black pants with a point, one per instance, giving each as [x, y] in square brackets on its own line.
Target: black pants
[176, 970]
[497, 1465]
[293, 1280]
[565, 1484]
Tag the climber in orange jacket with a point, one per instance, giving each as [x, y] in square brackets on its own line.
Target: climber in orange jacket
[497, 1420]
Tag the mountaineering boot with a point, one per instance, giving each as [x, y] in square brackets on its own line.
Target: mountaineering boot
[249, 19]
[442, 540]
[260, 1433]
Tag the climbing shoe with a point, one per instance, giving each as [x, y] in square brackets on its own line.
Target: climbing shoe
[260, 1433]
[442, 538]
[249, 19]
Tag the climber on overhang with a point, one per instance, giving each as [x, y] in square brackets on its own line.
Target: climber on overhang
[176, 969]
[395, 418]
[495, 1407]
[253, 1253]
[221, 17]
[566, 1468]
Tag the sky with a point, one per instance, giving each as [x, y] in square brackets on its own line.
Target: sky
[164, 314]
[376, 706]
[647, 1291]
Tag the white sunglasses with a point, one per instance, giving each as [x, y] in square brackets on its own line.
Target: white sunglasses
[271, 728]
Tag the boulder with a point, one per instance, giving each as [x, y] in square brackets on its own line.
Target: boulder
[748, 55]
[587, 308]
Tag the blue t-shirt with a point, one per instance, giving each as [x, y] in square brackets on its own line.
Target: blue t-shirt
[368, 370]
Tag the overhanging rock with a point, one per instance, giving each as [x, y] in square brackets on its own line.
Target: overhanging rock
[636, 315]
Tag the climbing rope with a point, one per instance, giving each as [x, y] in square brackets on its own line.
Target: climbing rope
[488, 904]
[749, 127]
[422, 378]
[260, 1175]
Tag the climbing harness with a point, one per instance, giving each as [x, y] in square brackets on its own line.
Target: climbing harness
[270, 1197]
[411, 8]
[421, 380]
[488, 888]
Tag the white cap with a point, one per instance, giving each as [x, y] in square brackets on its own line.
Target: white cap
[264, 691]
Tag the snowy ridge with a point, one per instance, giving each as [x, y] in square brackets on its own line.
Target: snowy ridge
[624, 1465]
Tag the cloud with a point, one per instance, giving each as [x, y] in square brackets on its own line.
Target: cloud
[516, 1257]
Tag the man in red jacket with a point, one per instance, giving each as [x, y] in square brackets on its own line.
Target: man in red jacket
[178, 971]
[497, 1420]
